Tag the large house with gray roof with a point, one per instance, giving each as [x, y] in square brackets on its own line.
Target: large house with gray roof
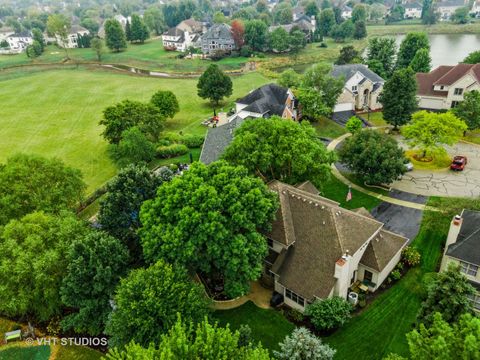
[463, 249]
[218, 37]
[318, 249]
[361, 90]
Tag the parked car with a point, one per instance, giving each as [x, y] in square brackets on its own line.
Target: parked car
[409, 166]
[458, 163]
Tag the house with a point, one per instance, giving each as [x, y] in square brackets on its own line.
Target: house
[180, 40]
[463, 248]
[18, 42]
[362, 88]
[447, 8]
[475, 10]
[73, 36]
[318, 249]
[413, 10]
[192, 26]
[298, 12]
[306, 24]
[120, 18]
[443, 88]
[218, 37]
[346, 12]
[263, 102]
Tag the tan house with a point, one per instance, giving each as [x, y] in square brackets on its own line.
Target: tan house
[362, 88]
[72, 40]
[192, 26]
[318, 249]
[444, 87]
[463, 249]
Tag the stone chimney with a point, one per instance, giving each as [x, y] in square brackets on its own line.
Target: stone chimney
[342, 266]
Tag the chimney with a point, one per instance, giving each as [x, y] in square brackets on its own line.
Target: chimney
[342, 275]
[453, 232]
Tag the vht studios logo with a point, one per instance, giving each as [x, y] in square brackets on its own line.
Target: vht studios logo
[68, 341]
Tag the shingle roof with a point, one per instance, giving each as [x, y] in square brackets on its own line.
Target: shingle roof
[467, 246]
[217, 140]
[75, 29]
[382, 249]
[444, 75]
[350, 69]
[457, 72]
[269, 99]
[308, 187]
[174, 31]
[450, 3]
[218, 31]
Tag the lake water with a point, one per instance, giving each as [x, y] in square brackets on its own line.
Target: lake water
[449, 49]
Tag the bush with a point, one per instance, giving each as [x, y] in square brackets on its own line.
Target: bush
[354, 125]
[164, 142]
[396, 274]
[295, 315]
[246, 51]
[329, 314]
[172, 137]
[170, 151]
[219, 54]
[192, 141]
[323, 45]
[411, 256]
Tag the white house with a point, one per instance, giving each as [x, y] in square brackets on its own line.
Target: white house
[17, 42]
[318, 249]
[413, 11]
[179, 40]
[73, 35]
[346, 12]
[444, 87]
[447, 8]
[475, 10]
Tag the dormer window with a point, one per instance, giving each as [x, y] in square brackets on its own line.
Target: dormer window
[442, 87]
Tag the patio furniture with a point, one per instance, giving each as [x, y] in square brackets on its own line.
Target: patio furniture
[13, 335]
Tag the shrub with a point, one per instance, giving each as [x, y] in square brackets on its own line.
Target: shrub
[302, 344]
[295, 315]
[323, 45]
[329, 314]
[396, 274]
[246, 51]
[245, 333]
[410, 256]
[354, 125]
[192, 141]
[172, 137]
[164, 142]
[170, 151]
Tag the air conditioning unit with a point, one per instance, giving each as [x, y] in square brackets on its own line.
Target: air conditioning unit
[353, 298]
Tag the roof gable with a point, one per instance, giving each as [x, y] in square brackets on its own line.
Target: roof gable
[467, 246]
[350, 70]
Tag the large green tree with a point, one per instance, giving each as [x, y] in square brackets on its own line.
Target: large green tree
[37, 35]
[187, 341]
[32, 183]
[342, 32]
[59, 25]
[279, 40]
[429, 16]
[359, 13]
[326, 21]
[154, 19]
[256, 34]
[282, 13]
[429, 131]
[319, 78]
[301, 345]
[214, 85]
[413, 42]
[33, 261]
[114, 36]
[399, 97]
[208, 220]
[139, 31]
[280, 149]
[422, 61]
[376, 158]
[148, 300]
[348, 55]
[133, 148]
[461, 16]
[447, 294]
[468, 110]
[360, 31]
[328, 314]
[95, 264]
[382, 50]
[472, 58]
[166, 102]
[97, 45]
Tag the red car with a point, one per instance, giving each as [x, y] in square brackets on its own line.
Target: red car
[458, 163]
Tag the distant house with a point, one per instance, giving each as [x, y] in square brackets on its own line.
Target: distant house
[120, 18]
[444, 87]
[413, 10]
[362, 88]
[18, 42]
[463, 249]
[179, 40]
[346, 12]
[192, 26]
[73, 36]
[218, 37]
[298, 12]
[447, 8]
[306, 24]
[263, 102]
[318, 249]
[475, 10]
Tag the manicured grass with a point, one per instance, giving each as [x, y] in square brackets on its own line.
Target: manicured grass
[439, 28]
[381, 328]
[26, 353]
[328, 128]
[268, 326]
[472, 136]
[440, 161]
[376, 118]
[56, 113]
[77, 353]
[5, 326]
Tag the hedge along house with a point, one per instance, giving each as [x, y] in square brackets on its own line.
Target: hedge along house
[318, 249]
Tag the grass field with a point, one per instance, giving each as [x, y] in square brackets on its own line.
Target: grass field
[26, 353]
[56, 113]
[328, 128]
[439, 28]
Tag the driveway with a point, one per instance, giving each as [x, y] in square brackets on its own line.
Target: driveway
[445, 182]
[399, 219]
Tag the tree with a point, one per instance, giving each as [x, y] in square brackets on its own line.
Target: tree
[127, 114]
[186, 341]
[238, 32]
[298, 154]
[382, 50]
[473, 58]
[329, 314]
[468, 110]
[33, 261]
[34, 50]
[207, 220]
[219, 18]
[133, 148]
[97, 46]
[311, 9]
[279, 40]
[343, 31]
[396, 14]
[139, 31]
[376, 158]
[120, 207]
[359, 13]
[421, 62]
[430, 131]
[429, 16]
[318, 77]
[399, 97]
[348, 55]
[166, 102]
[461, 16]
[154, 20]
[95, 264]
[31, 183]
[256, 34]
[59, 25]
[354, 125]
[37, 36]
[447, 294]
[326, 21]
[147, 302]
[376, 12]
[297, 41]
[114, 36]
[302, 344]
[128, 31]
[282, 13]
[289, 78]
[214, 85]
[312, 103]
[261, 6]
[360, 31]
[413, 42]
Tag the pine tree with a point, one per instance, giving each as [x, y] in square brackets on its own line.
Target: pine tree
[139, 31]
[114, 36]
[421, 62]
[128, 31]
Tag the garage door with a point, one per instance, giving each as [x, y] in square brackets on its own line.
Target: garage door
[343, 107]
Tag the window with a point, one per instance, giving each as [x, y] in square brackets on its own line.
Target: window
[475, 299]
[468, 269]
[458, 91]
[442, 87]
[354, 88]
[294, 297]
[454, 104]
[367, 276]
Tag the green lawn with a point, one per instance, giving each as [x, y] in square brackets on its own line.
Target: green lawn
[376, 118]
[56, 113]
[328, 128]
[77, 353]
[26, 353]
[268, 326]
[439, 28]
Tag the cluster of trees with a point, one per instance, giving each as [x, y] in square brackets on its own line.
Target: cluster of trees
[116, 39]
[332, 24]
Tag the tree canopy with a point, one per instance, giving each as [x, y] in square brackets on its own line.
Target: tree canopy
[214, 85]
[133, 148]
[301, 345]
[139, 31]
[413, 42]
[421, 62]
[329, 313]
[256, 34]
[472, 58]
[382, 50]
[468, 110]
[114, 36]
[280, 149]
[207, 220]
